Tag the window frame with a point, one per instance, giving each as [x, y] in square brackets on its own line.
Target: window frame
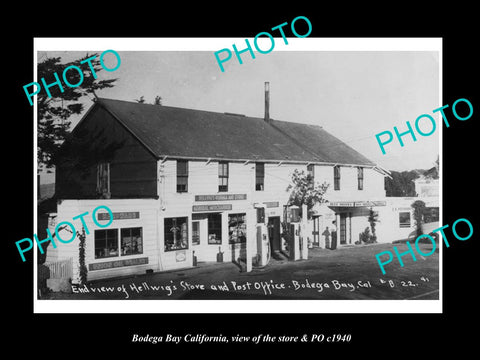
[336, 177]
[180, 231]
[311, 171]
[95, 247]
[223, 174]
[404, 225]
[360, 177]
[259, 174]
[182, 176]
[141, 240]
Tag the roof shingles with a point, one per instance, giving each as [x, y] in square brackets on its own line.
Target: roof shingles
[172, 131]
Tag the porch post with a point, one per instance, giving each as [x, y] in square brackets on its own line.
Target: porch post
[251, 236]
[303, 232]
[337, 225]
[348, 229]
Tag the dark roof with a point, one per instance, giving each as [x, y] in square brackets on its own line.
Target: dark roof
[326, 146]
[178, 132]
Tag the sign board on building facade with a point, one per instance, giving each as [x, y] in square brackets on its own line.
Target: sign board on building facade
[117, 263]
[217, 207]
[220, 197]
[119, 215]
[357, 203]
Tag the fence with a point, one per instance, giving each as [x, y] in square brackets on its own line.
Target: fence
[62, 269]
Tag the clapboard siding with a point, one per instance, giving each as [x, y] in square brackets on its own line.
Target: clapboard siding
[147, 220]
[203, 179]
[99, 137]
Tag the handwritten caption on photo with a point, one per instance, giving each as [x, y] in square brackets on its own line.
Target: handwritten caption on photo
[264, 287]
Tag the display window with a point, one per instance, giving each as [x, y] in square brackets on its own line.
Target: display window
[106, 243]
[176, 233]
[131, 240]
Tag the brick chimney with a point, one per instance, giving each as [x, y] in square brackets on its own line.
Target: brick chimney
[267, 102]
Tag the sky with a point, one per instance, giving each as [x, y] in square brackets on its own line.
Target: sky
[354, 95]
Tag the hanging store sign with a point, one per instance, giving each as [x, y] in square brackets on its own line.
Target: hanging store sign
[217, 207]
[220, 197]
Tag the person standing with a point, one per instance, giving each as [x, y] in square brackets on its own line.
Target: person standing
[326, 233]
[334, 235]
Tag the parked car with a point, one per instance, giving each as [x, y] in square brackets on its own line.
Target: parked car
[427, 228]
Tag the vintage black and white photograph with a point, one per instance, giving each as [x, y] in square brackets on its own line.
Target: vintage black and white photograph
[307, 173]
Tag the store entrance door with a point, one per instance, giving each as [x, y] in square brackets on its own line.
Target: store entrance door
[274, 235]
[343, 229]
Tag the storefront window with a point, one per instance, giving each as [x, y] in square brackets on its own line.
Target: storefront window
[404, 219]
[237, 228]
[176, 233]
[214, 228]
[106, 243]
[131, 240]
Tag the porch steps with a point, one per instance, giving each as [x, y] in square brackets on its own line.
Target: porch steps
[277, 255]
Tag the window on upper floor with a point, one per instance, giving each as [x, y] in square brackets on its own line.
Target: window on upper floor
[311, 171]
[360, 178]
[222, 176]
[182, 176]
[259, 176]
[103, 180]
[336, 177]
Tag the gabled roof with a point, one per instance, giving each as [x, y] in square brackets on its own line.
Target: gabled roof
[178, 132]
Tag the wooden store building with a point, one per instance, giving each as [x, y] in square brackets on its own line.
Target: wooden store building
[185, 185]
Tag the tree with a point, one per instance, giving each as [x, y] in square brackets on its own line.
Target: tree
[140, 100]
[54, 112]
[305, 191]
[156, 101]
[373, 219]
[433, 173]
[418, 212]
[401, 183]
[83, 271]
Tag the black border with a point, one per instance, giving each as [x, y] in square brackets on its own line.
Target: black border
[371, 333]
